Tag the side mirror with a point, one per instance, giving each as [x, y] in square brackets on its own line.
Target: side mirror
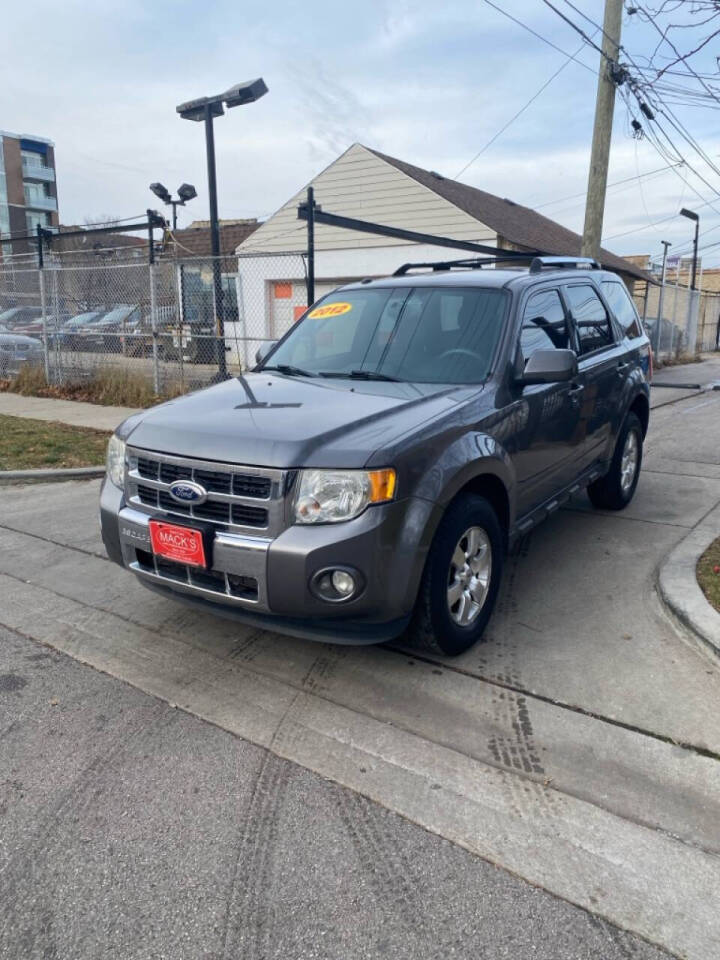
[263, 350]
[550, 366]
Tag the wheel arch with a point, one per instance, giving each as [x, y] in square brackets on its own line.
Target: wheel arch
[640, 406]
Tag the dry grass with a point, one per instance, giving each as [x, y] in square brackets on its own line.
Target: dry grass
[36, 444]
[680, 360]
[109, 386]
[708, 573]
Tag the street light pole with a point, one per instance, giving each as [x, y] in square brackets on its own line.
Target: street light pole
[661, 299]
[205, 109]
[215, 243]
[692, 300]
[186, 191]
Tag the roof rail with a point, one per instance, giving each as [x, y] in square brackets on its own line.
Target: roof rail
[564, 263]
[469, 264]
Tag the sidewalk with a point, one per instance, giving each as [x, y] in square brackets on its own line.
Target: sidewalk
[74, 412]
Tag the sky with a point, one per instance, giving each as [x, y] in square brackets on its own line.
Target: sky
[429, 83]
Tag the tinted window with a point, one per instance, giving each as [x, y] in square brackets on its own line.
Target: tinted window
[622, 306]
[543, 325]
[591, 319]
[425, 334]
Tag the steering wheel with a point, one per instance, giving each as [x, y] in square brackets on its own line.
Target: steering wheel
[461, 351]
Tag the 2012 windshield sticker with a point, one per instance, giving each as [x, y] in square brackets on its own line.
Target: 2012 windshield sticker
[330, 310]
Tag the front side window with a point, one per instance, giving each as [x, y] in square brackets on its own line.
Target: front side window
[544, 325]
[421, 334]
[591, 318]
[622, 306]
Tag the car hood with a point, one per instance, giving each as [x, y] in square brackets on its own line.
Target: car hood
[266, 419]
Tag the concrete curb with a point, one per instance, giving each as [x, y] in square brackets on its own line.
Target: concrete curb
[678, 584]
[69, 473]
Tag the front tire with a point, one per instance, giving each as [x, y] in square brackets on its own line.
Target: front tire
[461, 579]
[616, 489]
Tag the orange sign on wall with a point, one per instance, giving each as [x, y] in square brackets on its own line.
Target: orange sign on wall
[298, 312]
[283, 291]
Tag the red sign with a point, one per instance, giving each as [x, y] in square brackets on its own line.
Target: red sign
[177, 543]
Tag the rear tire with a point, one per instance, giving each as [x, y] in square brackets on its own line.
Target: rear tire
[616, 489]
[461, 579]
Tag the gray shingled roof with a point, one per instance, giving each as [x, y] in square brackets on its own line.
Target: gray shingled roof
[517, 224]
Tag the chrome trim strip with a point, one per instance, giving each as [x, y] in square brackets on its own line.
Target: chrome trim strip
[188, 587]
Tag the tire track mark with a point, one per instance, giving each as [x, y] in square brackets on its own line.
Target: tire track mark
[382, 860]
[21, 868]
[248, 927]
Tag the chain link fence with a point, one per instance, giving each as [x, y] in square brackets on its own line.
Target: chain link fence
[88, 313]
[82, 314]
[680, 322]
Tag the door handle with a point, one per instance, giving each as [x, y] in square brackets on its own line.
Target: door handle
[622, 367]
[575, 393]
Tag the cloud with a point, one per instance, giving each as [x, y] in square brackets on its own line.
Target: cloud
[426, 82]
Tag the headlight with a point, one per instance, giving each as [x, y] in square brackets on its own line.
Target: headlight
[328, 496]
[116, 461]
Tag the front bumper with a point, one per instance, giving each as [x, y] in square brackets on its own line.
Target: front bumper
[386, 545]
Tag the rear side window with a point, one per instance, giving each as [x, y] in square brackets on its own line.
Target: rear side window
[544, 326]
[591, 318]
[622, 306]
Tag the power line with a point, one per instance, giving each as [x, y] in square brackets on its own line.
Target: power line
[539, 36]
[616, 183]
[520, 111]
[577, 29]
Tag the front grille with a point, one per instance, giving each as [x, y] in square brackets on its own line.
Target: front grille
[219, 511]
[214, 481]
[226, 584]
[236, 496]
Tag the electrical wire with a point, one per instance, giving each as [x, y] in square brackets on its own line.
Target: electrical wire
[616, 183]
[578, 29]
[539, 36]
[520, 111]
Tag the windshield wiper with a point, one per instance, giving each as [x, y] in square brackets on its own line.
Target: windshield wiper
[288, 370]
[360, 375]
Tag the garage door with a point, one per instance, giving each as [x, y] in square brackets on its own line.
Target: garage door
[288, 301]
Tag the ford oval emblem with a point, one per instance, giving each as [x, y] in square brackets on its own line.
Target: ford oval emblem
[187, 491]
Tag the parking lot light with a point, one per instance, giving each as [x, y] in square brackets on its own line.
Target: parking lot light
[205, 109]
[186, 191]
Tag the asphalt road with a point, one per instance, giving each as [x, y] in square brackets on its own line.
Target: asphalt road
[575, 748]
[133, 830]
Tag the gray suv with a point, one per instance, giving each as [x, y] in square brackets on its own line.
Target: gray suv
[367, 478]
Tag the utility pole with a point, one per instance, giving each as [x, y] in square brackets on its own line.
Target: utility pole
[656, 331]
[602, 132]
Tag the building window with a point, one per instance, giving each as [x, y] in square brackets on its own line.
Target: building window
[32, 220]
[32, 159]
[36, 193]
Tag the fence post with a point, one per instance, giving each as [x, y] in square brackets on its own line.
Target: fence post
[153, 321]
[43, 307]
[311, 246]
[56, 312]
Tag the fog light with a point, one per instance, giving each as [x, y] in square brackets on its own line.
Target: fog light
[343, 582]
[337, 584]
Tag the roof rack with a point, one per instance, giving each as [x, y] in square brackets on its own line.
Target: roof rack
[469, 264]
[564, 263]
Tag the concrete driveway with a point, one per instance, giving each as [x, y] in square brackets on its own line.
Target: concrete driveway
[578, 747]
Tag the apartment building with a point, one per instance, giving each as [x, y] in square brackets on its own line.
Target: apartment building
[28, 189]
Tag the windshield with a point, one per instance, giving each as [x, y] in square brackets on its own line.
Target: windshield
[82, 318]
[421, 334]
[117, 313]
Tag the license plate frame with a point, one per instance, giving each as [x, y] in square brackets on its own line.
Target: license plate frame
[186, 543]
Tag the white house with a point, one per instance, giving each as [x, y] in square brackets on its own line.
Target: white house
[367, 185]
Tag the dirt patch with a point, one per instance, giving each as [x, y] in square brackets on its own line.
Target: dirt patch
[708, 573]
